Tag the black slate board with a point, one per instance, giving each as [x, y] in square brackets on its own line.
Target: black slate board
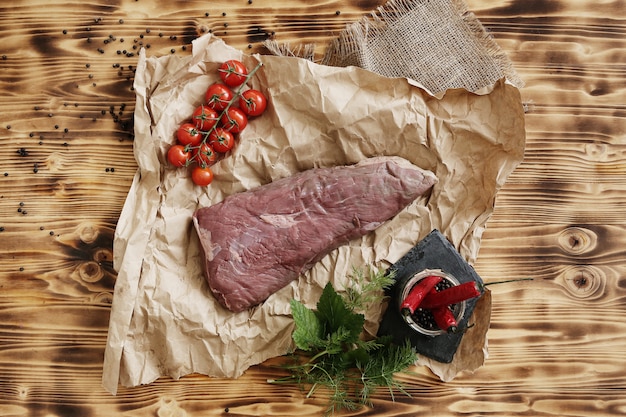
[433, 252]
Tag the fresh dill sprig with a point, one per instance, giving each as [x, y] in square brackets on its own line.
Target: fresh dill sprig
[331, 356]
[364, 290]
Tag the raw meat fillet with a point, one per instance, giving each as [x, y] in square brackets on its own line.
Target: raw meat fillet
[256, 242]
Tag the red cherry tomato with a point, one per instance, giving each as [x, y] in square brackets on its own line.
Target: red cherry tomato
[178, 155]
[204, 117]
[252, 102]
[234, 120]
[205, 155]
[201, 176]
[218, 96]
[188, 135]
[221, 140]
[233, 73]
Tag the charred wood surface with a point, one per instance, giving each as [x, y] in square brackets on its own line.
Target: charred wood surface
[66, 106]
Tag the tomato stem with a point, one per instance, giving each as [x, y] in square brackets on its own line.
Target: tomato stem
[236, 96]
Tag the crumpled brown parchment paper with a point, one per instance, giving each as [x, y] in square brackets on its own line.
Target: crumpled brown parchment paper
[164, 320]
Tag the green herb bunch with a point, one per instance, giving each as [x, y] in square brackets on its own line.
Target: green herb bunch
[331, 354]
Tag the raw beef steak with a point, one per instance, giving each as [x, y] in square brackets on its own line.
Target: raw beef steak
[256, 242]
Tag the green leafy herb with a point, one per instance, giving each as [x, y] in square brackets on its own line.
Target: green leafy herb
[332, 356]
[367, 290]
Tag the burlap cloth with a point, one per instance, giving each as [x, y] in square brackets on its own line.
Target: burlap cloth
[454, 108]
[438, 43]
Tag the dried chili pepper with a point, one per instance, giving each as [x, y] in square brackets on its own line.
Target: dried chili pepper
[459, 293]
[418, 293]
[452, 295]
[445, 319]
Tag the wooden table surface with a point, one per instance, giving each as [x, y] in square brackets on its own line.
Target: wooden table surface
[66, 107]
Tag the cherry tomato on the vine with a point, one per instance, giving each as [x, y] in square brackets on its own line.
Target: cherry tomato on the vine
[234, 120]
[252, 102]
[204, 117]
[218, 96]
[221, 140]
[178, 155]
[233, 73]
[205, 155]
[201, 176]
[188, 135]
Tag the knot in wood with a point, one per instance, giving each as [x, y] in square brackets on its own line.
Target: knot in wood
[584, 281]
[88, 233]
[90, 271]
[577, 240]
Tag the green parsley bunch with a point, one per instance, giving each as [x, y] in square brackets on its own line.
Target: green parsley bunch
[331, 354]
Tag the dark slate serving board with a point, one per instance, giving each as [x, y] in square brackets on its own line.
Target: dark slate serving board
[433, 252]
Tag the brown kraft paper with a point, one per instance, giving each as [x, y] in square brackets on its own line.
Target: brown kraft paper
[164, 320]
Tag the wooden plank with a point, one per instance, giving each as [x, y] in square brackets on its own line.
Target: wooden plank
[559, 219]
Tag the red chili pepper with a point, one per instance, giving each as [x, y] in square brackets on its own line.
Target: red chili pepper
[418, 292]
[451, 295]
[445, 319]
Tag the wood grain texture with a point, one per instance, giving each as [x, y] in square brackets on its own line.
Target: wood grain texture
[66, 165]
